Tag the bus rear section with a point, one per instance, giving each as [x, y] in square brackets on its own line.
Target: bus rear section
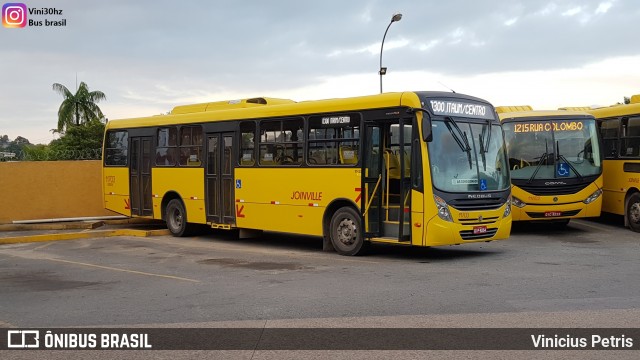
[620, 129]
[555, 158]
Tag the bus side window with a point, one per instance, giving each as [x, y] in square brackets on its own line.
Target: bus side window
[247, 141]
[116, 148]
[190, 146]
[631, 140]
[166, 146]
[609, 132]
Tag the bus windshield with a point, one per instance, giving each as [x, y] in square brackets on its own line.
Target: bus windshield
[556, 149]
[467, 156]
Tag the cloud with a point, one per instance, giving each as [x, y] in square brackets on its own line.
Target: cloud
[152, 55]
[511, 21]
[572, 11]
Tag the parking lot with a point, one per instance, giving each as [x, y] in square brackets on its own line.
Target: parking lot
[589, 267]
[582, 276]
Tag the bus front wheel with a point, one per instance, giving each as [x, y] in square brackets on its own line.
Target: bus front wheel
[176, 218]
[346, 231]
[633, 212]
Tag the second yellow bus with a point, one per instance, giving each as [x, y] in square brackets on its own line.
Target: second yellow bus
[556, 164]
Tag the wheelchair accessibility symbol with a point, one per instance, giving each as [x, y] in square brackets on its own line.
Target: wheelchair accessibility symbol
[238, 184]
[562, 170]
[483, 185]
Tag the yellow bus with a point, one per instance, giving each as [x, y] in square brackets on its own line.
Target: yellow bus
[620, 129]
[412, 168]
[556, 164]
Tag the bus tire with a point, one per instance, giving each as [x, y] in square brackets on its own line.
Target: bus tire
[632, 212]
[176, 218]
[345, 231]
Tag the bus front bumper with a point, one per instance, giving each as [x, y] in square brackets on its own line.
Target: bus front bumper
[467, 227]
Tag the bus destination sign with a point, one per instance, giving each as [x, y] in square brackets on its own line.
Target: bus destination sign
[548, 126]
[459, 108]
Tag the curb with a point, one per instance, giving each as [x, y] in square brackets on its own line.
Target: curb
[82, 235]
[52, 226]
[78, 225]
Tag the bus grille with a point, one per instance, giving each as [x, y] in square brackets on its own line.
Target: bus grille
[476, 221]
[546, 190]
[469, 235]
[540, 215]
[476, 204]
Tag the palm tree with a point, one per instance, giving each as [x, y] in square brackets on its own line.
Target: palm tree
[78, 108]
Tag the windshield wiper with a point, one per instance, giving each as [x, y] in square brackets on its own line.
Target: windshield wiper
[484, 146]
[460, 138]
[544, 158]
[559, 156]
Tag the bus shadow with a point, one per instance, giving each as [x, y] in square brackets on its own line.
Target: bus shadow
[608, 219]
[429, 254]
[550, 232]
[302, 243]
[270, 240]
[537, 228]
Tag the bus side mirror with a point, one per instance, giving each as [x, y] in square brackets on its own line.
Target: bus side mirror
[427, 135]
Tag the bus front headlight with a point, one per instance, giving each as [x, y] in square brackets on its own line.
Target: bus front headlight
[443, 209]
[593, 197]
[507, 209]
[517, 202]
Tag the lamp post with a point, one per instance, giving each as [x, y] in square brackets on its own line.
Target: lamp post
[383, 70]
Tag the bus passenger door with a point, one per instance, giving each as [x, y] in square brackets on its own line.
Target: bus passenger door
[386, 179]
[372, 180]
[140, 176]
[219, 179]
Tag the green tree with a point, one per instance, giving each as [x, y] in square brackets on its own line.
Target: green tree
[627, 100]
[38, 152]
[79, 142]
[13, 146]
[4, 141]
[78, 108]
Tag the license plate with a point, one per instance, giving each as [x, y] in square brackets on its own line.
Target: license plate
[552, 213]
[479, 230]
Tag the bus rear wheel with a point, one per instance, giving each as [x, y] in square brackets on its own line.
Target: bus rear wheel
[176, 218]
[633, 212]
[345, 231]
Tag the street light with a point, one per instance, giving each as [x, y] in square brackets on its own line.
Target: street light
[383, 70]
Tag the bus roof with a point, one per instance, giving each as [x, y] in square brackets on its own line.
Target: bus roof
[229, 104]
[542, 113]
[633, 108]
[269, 107]
[516, 108]
[575, 108]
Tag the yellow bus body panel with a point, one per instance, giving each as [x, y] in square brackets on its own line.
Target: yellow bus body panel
[617, 183]
[188, 183]
[418, 223]
[116, 189]
[563, 203]
[292, 200]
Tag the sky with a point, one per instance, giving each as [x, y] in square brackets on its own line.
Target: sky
[149, 56]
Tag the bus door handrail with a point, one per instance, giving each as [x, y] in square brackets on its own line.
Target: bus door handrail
[366, 209]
